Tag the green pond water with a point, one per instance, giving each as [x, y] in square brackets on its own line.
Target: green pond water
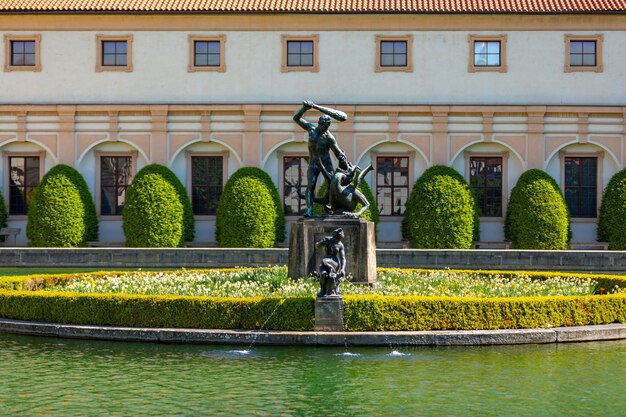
[59, 377]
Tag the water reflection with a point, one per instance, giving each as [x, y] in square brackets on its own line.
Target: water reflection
[54, 377]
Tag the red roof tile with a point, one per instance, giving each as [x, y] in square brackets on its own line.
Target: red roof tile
[334, 6]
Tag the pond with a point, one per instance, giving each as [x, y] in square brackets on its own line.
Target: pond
[63, 377]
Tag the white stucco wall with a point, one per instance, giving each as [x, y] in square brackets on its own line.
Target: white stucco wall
[535, 61]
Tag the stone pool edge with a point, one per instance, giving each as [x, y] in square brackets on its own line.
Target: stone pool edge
[613, 331]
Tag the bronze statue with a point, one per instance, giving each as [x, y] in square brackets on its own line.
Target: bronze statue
[320, 143]
[333, 266]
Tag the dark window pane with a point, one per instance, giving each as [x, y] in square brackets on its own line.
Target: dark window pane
[306, 60]
[201, 47]
[214, 47]
[293, 47]
[575, 47]
[589, 47]
[386, 47]
[392, 185]
[108, 47]
[306, 47]
[386, 60]
[206, 183]
[576, 60]
[294, 183]
[120, 60]
[580, 185]
[23, 180]
[213, 60]
[115, 177]
[293, 60]
[399, 47]
[120, 47]
[201, 60]
[493, 60]
[493, 48]
[589, 60]
[486, 181]
[399, 60]
[29, 47]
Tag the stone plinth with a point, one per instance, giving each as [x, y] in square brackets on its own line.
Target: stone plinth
[328, 314]
[359, 243]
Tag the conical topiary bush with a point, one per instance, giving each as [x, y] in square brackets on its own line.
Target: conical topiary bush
[537, 216]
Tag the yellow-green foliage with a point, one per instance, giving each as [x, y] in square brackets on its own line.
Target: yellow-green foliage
[537, 216]
[62, 213]
[153, 213]
[249, 213]
[361, 312]
[441, 212]
[612, 222]
[169, 176]
[373, 312]
[295, 313]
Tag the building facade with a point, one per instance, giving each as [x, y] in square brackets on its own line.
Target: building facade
[206, 88]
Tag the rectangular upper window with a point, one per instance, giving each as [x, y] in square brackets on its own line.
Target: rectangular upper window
[294, 183]
[485, 175]
[114, 53]
[22, 53]
[393, 53]
[583, 53]
[24, 175]
[487, 53]
[115, 178]
[581, 185]
[299, 53]
[207, 183]
[206, 53]
[392, 184]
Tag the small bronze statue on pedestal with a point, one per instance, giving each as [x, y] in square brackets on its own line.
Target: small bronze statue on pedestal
[333, 266]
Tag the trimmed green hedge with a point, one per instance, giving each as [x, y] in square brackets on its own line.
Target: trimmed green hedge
[167, 174]
[361, 312]
[62, 212]
[374, 312]
[153, 214]
[441, 212]
[296, 314]
[249, 212]
[537, 216]
[612, 222]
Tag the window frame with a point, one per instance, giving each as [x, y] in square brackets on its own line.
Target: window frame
[468, 155]
[192, 67]
[98, 191]
[599, 155]
[374, 156]
[114, 38]
[189, 175]
[8, 53]
[6, 155]
[378, 39]
[285, 39]
[281, 179]
[598, 39]
[472, 39]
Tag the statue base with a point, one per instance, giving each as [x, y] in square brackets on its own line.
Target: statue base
[328, 314]
[359, 243]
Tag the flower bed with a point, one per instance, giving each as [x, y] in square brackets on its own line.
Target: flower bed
[266, 298]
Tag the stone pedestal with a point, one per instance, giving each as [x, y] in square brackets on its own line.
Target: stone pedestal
[328, 314]
[359, 243]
